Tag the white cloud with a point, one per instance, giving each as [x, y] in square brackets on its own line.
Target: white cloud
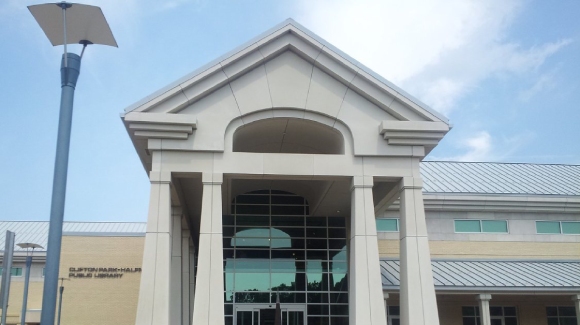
[482, 146]
[544, 82]
[478, 147]
[437, 50]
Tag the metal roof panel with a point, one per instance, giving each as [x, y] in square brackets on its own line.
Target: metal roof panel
[500, 275]
[37, 231]
[500, 178]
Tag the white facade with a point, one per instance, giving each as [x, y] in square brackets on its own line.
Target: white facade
[286, 112]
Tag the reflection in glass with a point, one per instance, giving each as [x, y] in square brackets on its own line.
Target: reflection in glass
[251, 242]
[252, 232]
[272, 245]
[283, 281]
[338, 255]
[252, 281]
[253, 265]
[229, 281]
[315, 281]
[252, 297]
[339, 267]
[314, 266]
[281, 243]
[281, 266]
[338, 282]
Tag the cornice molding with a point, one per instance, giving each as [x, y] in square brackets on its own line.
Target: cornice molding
[160, 125]
[413, 133]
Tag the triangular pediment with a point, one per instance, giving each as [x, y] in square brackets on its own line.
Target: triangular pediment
[289, 36]
[287, 68]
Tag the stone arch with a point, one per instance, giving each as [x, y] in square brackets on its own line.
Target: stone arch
[264, 131]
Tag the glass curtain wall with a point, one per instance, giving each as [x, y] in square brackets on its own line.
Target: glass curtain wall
[272, 245]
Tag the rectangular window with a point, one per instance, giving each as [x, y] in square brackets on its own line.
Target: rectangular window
[499, 226]
[503, 315]
[558, 227]
[548, 227]
[499, 315]
[15, 271]
[387, 225]
[561, 315]
[467, 226]
[571, 228]
[482, 226]
[470, 315]
[394, 315]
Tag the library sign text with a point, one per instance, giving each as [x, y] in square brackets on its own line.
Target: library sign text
[100, 272]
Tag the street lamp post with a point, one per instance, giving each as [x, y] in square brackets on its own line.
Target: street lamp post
[65, 23]
[27, 246]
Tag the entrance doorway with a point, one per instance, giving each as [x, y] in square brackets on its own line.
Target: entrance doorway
[265, 314]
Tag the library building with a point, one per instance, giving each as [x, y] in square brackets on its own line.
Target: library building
[288, 186]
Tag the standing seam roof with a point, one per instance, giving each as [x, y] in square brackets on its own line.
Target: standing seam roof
[500, 178]
[37, 231]
[528, 275]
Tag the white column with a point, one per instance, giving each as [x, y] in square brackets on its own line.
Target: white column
[154, 292]
[576, 299]
[209, 296]
[185, 294]
[175, 290]
[417, 300]
[365, 286]
[483, 300]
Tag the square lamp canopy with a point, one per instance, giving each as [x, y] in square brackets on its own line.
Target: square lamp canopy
[83, 23]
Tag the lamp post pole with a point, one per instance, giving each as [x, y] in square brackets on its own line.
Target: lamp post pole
[69, 76]
[27, 246]
[87, 26]
[25, 295]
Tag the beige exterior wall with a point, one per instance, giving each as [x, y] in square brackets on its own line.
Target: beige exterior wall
[15, 300]
[490, 250]
[101, 301]
[90, 301]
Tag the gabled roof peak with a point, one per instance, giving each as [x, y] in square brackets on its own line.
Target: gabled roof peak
[289, 25]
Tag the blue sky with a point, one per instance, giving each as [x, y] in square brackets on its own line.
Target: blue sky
[504, 72]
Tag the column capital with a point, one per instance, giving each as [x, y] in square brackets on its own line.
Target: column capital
[410, 183]
[157, 177]
[212, 178]
[483, 297]
[361, 181]
[576, 297]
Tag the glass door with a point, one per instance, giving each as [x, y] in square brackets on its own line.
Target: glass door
[252, 314]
